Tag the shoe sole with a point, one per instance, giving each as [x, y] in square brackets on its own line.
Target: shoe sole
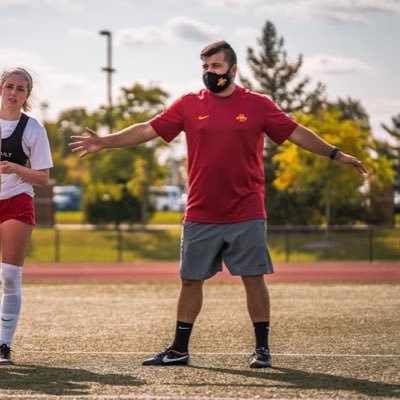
[8, 362]
[261, 365]
[165, 364]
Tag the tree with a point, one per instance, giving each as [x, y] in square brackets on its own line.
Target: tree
[278, 78]
[60, 170]
[72, 122]
[335, 193]
[139, 102]
[121, 178]
[352, 110]
[392, 150]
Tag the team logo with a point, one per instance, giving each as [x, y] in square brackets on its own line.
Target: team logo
[221, 81]
[241, 118]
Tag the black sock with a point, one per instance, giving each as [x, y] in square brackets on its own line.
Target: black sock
[261, 330]
[182, 336]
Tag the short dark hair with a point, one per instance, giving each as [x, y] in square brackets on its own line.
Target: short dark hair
[217, 47]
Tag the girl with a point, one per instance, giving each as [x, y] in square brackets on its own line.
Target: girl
[23, 139]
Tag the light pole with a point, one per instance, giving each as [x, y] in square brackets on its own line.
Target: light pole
[109, 70]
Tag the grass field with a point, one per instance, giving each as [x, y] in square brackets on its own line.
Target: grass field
[159, 217]
[78, 217]
[163, 245]
[86, 341]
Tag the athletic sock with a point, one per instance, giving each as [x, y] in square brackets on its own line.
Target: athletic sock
[261, 330]
[11, 277]
[182, 336]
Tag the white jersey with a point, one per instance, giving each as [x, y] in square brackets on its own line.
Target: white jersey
[36, 146]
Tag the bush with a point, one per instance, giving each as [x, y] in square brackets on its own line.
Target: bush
[111, 204]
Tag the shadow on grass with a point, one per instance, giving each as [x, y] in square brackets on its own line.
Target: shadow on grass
[58, 381]
[302, 380]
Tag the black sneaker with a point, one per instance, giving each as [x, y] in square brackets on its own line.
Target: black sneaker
[168, 357]
[5, 355]
[261, 358]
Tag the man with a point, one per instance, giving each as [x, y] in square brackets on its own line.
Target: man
[225, 217]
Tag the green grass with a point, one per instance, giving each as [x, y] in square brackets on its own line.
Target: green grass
[158, 218]
[69, 217]
[166, 217]
[88, 340]
[315, 246]
[163, 245]
[103, 246]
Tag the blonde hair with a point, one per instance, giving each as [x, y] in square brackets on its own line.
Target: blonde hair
[23, 72]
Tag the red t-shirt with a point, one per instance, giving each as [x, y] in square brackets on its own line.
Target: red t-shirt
[225, 137]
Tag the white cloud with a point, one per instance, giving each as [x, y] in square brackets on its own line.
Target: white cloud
[247, 34]
[83, 33]
[236, 6]
[71, 5]
[334, 11]
[335, 65]
[14, 57]
[177, 27]
[141, 36]
[49, 83]
[381, 110]
[188, 28]
[176, 89]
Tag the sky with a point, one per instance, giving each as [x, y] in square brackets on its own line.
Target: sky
[351, 46]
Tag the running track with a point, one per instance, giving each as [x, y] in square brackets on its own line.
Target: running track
[169, 271]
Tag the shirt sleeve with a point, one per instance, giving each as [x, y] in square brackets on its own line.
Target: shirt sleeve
[170, 122]
[277, 125]
[35, 138]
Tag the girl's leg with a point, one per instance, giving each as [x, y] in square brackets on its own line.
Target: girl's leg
[15, 236]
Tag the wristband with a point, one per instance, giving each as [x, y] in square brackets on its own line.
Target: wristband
[334, 152]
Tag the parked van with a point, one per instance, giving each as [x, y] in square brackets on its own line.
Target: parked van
[168, 198]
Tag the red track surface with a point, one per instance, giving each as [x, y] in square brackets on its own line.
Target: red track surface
[169, 271]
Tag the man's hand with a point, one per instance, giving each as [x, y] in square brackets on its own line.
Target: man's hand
[89, 144]
[350, 160]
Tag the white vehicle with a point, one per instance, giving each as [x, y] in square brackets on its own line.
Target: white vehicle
[168, 198]
[396, 201]
[67, 198]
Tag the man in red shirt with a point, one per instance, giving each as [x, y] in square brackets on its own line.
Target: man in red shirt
[225, 218]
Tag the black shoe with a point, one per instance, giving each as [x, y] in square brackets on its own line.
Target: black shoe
[261, 358]
[168, 357]
[5, 355]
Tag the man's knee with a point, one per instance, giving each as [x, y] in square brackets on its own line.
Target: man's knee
[191, 284]
[254, 281]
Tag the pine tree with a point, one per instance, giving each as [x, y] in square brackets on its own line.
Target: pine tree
[351, 110]
[278, 78]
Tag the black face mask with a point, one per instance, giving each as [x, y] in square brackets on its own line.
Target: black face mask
[217, 82]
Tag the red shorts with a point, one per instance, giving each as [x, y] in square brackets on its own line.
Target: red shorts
[19, 207]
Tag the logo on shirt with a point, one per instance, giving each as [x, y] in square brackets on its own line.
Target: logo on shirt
[241, 118]
[201, 117]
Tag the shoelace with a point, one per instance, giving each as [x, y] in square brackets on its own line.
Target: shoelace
[258, 353]
[162, 352]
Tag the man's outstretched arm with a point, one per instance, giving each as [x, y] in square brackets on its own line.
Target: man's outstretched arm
[308, 140]
[131, 136]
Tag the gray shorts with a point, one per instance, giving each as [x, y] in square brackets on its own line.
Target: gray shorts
[241, 245]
